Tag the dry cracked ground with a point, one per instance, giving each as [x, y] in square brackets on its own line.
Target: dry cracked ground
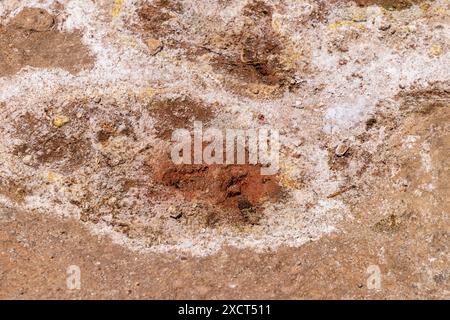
[91, 91]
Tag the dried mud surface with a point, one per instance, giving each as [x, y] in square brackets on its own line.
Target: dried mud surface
[90, 93]
[31, 39]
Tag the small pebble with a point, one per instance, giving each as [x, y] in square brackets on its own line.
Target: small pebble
[27, 159]
[341, 149]
[384, 27]
[175, 213]
[298, 105]
[122, 128]
[154, 45]
[112, 201]
[97, 99]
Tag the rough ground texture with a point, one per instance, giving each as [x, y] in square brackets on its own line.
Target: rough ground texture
[90, 92]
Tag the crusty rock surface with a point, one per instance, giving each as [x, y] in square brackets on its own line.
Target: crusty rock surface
[91, 91]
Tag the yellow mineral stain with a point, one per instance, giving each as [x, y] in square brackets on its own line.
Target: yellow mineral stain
[442, 11]
[53, 177]
[286, 179]
[59, 121]
[118, 4]
[345, 24]
[276, 24]
[436, 50]
[425, 6]
[151, 92]
[359, 16]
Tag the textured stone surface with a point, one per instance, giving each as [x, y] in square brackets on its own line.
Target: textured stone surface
[90, 93]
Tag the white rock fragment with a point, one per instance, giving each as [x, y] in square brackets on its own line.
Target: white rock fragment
[28, 159]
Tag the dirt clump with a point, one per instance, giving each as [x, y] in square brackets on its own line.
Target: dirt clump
[155, 19]
[425, 101]
[234, 192]
[389, 4]
[253, 58]
[59, 148]
[255, 53]
[53, 138]
[388, 224]
[178, 113]
[12, 190]
[339, 161]
[33, 19]
[32, 39]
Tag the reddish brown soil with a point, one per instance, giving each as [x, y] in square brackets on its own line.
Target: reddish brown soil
[35, 257]
[178, 113]
[12, 190]
[254, 54]
[235, 191]
[32, 39]
[396, 214]
[63, 147]
[154, 18]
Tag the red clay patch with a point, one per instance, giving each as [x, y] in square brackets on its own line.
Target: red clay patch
[235, 192]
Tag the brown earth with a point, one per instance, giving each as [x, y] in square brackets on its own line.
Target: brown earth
[32, 39]
[178, 113]
[255, 55]
[35, 256]
[389, 4]
[156, 14]
[254, 59]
